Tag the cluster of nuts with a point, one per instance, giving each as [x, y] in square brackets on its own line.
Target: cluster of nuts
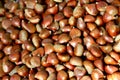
[59, 39]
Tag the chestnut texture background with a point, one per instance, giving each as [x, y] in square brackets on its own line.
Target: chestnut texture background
[59, 39]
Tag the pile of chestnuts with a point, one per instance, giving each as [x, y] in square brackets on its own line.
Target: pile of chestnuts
[59, 39]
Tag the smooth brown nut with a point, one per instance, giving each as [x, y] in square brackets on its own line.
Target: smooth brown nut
[79, 72]
[66, 29]
[14, 35]
[70, 50]
[63, 57]
[95, 33]
[41, 75]
[72, 21]
[7, 66]
[54, 26]
[75, 41]
[35, 61]
[52, 10]
[78, 50]
[69, 66]
[62, 75]
[76, 61]
[59, 16]
[38, 52]
[7, 50]
[68, 12]
[112, 28]
[106, 49]
[101, 40]
[45, 33]
[81, 24]
[101, 5]
[59, 48]
[47, 20]
[107, 17]
[29, 13]
[89, 56]
[88, 66]
[24, 53]
[44, 61]
[96, 51]
[63, 22]
[97, 74]
[59, 67]
[91, 26]
[110, 69]
[109, 60]
[108, 38]
[14, 57]
[26, 60]
[78, 12]
[91, 9]
[99, 20]
[50, 70]
[62, 5]
[71, 74]
[113, 76]
[52, 59]
[38, 28]
[28, 45]
[112, 10]
[34, 19]
[75, 33]
[23, 71]
[28, 26]
[88, 41]
[89, 18]
[36, 40]
[46, 41]
[99, 64]
[39, 8]
[115, 56]
[63, 38]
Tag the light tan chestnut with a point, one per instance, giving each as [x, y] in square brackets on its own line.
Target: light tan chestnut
[114, 76]
[78, 50]
[62, 75]
[41, 75]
